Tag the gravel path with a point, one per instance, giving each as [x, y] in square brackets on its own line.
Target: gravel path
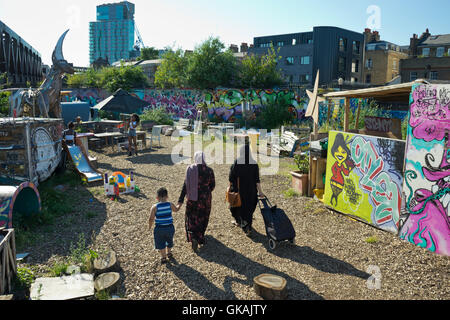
[330, 260]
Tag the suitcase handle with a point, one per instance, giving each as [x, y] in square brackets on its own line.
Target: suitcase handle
[266, 203]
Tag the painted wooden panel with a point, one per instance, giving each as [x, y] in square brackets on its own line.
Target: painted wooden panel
[364, 178]
[425, 218]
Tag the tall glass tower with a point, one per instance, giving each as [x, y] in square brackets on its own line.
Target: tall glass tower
[112, 35]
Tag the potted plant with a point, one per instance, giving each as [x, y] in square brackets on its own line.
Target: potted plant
[300, 177]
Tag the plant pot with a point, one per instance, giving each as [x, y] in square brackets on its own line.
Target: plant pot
[300, 182]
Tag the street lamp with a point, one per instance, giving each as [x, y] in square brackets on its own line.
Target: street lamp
[340, 83]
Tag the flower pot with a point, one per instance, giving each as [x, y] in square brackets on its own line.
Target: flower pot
[300, 182]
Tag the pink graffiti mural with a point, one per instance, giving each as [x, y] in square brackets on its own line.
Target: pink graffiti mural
[426, 211]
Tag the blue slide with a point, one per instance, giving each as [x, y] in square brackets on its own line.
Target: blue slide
[82, 164]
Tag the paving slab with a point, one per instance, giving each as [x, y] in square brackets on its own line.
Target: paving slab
[63, 288]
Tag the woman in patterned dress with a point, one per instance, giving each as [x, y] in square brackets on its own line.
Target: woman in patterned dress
[198, 187]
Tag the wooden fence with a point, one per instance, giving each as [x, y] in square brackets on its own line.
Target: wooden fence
[8, 266]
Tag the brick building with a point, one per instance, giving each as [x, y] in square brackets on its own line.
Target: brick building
[429, 58]
[382, 60]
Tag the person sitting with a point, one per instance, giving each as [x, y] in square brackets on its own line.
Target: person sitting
[70, 135]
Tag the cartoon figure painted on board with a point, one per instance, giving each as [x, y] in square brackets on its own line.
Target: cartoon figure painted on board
[342, 167]
[428, 222]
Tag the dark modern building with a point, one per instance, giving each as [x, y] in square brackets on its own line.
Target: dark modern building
[336, 52]
[19, 60]
[112, 35]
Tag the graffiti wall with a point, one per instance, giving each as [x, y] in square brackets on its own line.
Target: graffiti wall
[364, 178]
[223, 105]
[425, 218]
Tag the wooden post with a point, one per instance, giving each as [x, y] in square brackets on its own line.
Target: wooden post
[347, 114]
[357, 114]
[329, 112]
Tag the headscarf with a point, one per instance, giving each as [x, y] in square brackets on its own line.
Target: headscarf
[245, 155]
[192, 176]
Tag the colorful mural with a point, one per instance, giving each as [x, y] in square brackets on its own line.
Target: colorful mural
[223, 104]
[364, 178]
[425, 218]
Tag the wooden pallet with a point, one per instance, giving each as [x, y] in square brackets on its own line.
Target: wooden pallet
[8, 266]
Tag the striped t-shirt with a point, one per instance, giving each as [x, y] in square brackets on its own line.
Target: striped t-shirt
[164, 214]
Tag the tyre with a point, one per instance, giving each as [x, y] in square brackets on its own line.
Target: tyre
[272, 244]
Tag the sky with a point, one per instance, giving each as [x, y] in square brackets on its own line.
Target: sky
[187, 23]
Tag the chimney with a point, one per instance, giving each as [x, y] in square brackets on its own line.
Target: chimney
[244, 47]
[425, 35]
[367, 35]
[234, 48]
[413, 43]
[376, 36]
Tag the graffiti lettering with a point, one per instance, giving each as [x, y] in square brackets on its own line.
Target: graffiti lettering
[350, 190]
[384, 193]
[378, 124]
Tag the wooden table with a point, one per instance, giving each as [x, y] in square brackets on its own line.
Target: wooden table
[109, 135]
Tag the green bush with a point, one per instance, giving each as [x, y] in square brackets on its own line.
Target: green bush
[158, 115]
[4, 103]
[302, 163]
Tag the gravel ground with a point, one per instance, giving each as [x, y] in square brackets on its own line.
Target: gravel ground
[330, 260]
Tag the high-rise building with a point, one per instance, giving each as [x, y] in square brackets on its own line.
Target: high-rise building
[112, 35]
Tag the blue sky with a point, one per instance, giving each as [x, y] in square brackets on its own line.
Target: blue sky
[186, 23]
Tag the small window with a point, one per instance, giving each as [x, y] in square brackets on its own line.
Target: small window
[294, 42]
[426, 52]
[368, 78]
[305, 60]
[355, 66]
[342, 45]
[433, 75]
[413, 76]
[280, 44]
[440, 52]
[353, 80]
[356, 46]
[342, 64]
[290, 60]
[369, 63]
[395, 64]
[310, 41]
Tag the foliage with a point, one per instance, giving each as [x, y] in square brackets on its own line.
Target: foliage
[24, 278]
[4, 103]
[272, 116]
[371, 240]
[210, 66]
[302, 163]
[59, 269]
[261, 71]
[291, 193]
[81, 255]
[172, 73]
[405, 128]
[4, 81]
[111, 78]
[158, 115]
[149, 53]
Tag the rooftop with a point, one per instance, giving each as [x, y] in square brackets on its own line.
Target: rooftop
[436, 40]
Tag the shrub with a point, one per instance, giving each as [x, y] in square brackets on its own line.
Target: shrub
[302, 163]
[158, 115]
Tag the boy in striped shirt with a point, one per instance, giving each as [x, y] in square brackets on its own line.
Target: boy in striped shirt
[161, 215]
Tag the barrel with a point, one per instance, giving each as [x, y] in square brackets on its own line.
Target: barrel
[18, 200]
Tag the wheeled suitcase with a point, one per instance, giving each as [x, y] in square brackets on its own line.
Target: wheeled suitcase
[279, 227]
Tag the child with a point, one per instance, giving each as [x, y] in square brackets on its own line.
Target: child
[70, 134]
[132, 134]
[161, 214]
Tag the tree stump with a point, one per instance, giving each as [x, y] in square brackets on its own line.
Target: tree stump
[105, 263]
[270, 287]
[106, 281]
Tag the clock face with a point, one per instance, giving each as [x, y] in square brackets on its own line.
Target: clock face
[45, 155]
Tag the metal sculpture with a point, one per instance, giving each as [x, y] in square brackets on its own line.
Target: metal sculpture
[47, 97]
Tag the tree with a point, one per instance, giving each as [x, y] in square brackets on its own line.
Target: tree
[209, 66]
[111, 78]
[261, 71]
[172, 73]
[149, 53]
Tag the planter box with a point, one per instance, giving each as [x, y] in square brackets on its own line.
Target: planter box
[300, 182]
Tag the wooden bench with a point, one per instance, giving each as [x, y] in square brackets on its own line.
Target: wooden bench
[288, 142]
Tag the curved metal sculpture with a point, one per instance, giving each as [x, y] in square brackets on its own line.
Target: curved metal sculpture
[47, 97]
